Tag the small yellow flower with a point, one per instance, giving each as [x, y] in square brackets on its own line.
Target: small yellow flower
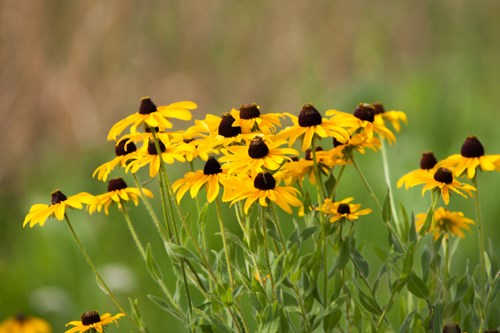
[470, 158]
[392, 116]
[193, 181]
[443, 180]
[123, 149]
[250, 119]
[445, 222]
[343, 209]
[92, 321]
[153, 116]
[39, 213]
[427, 165]
[24, 324]
[263, 188]
[309, 124]
[118, 192]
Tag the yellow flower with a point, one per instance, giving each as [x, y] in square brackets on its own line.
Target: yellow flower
[251, 120]
[118, 192]
[343, 209]
[394, 117]
[443, 180]
[470, 158]
[342, 152]
[39, 213]
[92, 321]
[193, 181]
[153, 116]
[444, 221]
[262, 188]
[24, 324]
[427, 165]
[309, 124]
[259, 154]
[364, 121]
[170, 152]
[122, 150]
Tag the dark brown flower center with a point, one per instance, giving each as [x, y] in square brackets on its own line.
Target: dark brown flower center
[226, 128]
[309, 155]
[124, 147]
[365, 111]
[337, 143]
[57, 197]
[21, 318]
[90, 317]
[147, 106]
[149, 129]
[212, 167]
[258, 148]
[427, 161]
[152, 147]
[116, 184]
[443, 175]
[264, 181]
[344, 209]
[472, 147]
[379, 107]
[451, 328]
[249, 111]
[309, 116]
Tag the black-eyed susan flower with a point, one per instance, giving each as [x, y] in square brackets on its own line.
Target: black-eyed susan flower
[259, 154]
[153, 116]
[427, 165]
[39, 213]
[392, 116]
[169, 152]
[118, 192]
[294, 170]
[309, 124]
[25, 324]
[470, 158]
[92, 321]
[364, 121]
[445, 222]
[262, 188]
[122, 150]
[342, 152]
[250, 119]
[337, 210]
[443, 180]
[193, 181]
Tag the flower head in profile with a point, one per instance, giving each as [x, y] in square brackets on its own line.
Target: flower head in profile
[193, 181]
[471, 157]
[123, 149]
[24, 324]
[92, 321]
[445, 222]
[343, 209]
[153, 116]
[39, 213]
[250, 119]
[442, 179]
[262, 188]
[309, 124]
[118, 192]
[392, 116]
[428, 163]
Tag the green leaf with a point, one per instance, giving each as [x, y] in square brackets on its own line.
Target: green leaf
[437, 318]
[412, 232]
[329, 185]
[343, 257]
[180, 252]
[331, 319]
[307, 232]
[405, 326]
[408, 261]
[369, 304]
[386, 210]
[417, 287]
[165, 306]
[427, 223]
[360, 263]
[425, 262]
[151, 264]
[136, 316]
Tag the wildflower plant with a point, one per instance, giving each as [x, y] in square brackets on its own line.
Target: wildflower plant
[290, 259]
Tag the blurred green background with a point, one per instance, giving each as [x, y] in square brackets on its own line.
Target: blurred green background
[70, 69]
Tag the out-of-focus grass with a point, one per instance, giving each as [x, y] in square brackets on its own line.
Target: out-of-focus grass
[70, 69]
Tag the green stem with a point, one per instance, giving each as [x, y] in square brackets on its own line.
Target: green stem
[224, 242]
[389, 187]
[339, 176]
[266, 249]
[367, 185]
[86, 255]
